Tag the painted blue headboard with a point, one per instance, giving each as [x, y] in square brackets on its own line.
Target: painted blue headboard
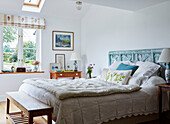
[151, 55]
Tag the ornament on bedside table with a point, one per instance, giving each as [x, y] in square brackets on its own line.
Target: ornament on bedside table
[167, 73]
[75, 57]
[165, 58]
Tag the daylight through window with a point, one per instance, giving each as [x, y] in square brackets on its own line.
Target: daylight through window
[19, 47]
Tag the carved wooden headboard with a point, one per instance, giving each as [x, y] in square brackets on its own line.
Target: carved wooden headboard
[151, 55]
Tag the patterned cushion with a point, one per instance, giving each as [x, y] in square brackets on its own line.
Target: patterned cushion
[118, 76]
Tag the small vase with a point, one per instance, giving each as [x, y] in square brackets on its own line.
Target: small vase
[35, 68]
[90, 75]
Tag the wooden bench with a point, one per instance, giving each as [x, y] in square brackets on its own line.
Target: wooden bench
[29, 107]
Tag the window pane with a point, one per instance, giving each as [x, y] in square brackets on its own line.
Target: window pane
[10, 37]
[29, 56]
[29, 38]
[10, 58]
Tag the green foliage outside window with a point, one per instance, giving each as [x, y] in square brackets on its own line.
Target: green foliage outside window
[9, 34]
[11, 55]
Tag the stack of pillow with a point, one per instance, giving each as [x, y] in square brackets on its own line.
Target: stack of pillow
[126, 72]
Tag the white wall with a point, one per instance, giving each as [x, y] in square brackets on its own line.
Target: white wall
[106, 29]
[101, 30]
[12, 82]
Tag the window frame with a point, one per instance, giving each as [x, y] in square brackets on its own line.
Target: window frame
[20, 47]
[33, 5]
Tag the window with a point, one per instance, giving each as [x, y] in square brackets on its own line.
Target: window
[29, 46]
[10, 45]
[33, 5]
[20, 47]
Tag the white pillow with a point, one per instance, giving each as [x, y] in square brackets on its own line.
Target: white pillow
[142, 74]
[115, 64]
[152, 81]
[118, 76]
[148, 68]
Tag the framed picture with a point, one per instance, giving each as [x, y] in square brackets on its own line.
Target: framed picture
[54, 67]
[60, 58]
[63, 41]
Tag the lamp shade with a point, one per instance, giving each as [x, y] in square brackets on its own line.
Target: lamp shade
[75, 56]
[165, 56]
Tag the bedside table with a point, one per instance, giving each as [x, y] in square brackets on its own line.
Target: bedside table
[162, 87]
[56, 75]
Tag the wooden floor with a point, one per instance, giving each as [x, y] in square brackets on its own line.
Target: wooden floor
[40, 120]
[13, 108]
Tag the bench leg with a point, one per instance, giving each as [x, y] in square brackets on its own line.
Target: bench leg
[8, 105]
[50, 118]
[30, 119]
[22, 114]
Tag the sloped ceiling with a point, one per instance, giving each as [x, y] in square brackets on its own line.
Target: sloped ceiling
[131, 5]
[67, 8]
[51, 8]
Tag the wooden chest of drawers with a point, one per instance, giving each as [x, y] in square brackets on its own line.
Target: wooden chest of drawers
[56, 75]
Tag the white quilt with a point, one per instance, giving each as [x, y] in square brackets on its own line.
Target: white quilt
[96, 110]
[65, 88]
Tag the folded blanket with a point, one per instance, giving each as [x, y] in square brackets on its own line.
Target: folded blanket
[65, 88]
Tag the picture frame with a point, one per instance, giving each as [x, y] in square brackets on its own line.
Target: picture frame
[62, 41]
[60, 58]
[54, 67]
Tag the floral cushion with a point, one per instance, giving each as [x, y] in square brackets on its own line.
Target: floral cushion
[118, 76]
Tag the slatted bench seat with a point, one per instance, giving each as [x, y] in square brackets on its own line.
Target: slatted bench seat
[29, 107]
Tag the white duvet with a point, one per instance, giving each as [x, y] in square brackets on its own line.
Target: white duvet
[97, 109]
[65, 88]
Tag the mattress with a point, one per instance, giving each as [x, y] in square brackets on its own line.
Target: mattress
[96, 110]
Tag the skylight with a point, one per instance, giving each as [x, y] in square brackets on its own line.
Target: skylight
[33, 5]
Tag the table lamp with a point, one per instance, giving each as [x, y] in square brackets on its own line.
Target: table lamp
[165, 58]
[74, 57]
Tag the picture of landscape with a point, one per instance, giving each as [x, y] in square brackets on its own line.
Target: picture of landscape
[63, 41]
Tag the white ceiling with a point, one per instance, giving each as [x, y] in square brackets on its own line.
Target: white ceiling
[132, 5]
[51, 8]
[67, 8]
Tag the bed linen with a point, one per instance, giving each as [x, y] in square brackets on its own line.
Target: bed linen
[96, 110]
[63, 89]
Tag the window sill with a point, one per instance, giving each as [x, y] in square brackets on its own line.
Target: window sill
[21, 72]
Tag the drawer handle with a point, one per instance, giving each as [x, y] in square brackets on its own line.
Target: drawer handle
[61, 74]
[77, 74]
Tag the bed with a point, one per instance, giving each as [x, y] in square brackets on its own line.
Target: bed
[105, 108]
